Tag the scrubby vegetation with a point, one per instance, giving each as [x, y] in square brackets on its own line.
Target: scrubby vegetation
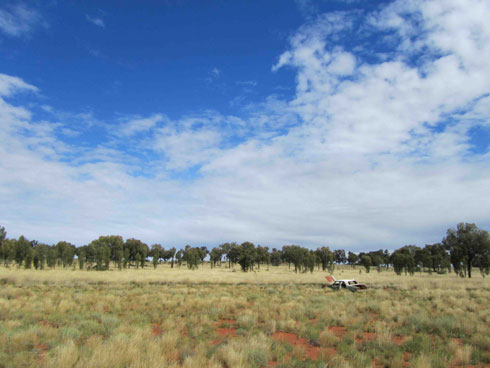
[157, 307]
[462, 248]
[215, 317]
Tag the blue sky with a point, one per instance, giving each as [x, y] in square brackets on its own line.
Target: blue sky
[354, 124]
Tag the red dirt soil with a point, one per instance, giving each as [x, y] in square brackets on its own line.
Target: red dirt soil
[367, 336]
[224, 332]
[338, 330]
[458, 341]
[312, 352]
[398, 340]
[156, 329]
[43, 350]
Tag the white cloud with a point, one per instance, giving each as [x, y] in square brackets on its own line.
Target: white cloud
[19, 20]
[343, 63]
[366, 155]
[98, 21]
[10, 85]
[247, 83]
[307, 8]
[139, 125]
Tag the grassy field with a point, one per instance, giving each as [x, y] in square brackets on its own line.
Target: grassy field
[221, 318]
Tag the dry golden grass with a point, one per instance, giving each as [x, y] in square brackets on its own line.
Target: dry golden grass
[220, 317]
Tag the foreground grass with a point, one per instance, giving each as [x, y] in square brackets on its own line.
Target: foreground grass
[221, 318]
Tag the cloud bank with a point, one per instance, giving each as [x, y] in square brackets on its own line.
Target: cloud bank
[375, 149]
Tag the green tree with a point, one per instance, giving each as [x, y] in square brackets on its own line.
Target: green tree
[66, 253]
[171, 255]
[156, 253]
[326, 258]
[137, 259]
[233, 254]
[115, 244]
[8, 250]
[247, 256]
[466, 243]
[3, 249]
[81, 256]
[22, 247]
[276, 257]
[126, 256]
[215, 256]
[403, 259]
[310, 260]
[366, 262]
[422, 258]
[339, 256]
[262, 255]
[352, 258]
[203, 252]
[52, 257]
[29, 255]
[137, 251]
[179, 257]
[192, 256]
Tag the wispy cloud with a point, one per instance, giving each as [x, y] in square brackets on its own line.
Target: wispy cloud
[98, 21]
[213, 75]
[19, 20]
[247, 83]
[10, 85]
[138, 125]
[307, 8]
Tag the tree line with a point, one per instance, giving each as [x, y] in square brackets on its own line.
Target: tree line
[460, 250]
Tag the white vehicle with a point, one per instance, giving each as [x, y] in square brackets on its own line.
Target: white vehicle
[351, 285]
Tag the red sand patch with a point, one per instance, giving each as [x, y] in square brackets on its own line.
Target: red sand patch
[226, 331]
[48, 324]
[229, 331]
[398, 340]
[339, 331]
[312, 352]
[43, 350]
[156, 329]
[457, 341]
[369, 336]
[366, 336]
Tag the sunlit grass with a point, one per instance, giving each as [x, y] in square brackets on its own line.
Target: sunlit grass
[171, 317]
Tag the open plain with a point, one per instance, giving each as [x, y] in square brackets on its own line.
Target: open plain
[223, 317]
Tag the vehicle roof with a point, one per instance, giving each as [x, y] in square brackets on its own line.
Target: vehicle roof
[345, 280]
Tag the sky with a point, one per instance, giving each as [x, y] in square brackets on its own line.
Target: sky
[352, 124]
